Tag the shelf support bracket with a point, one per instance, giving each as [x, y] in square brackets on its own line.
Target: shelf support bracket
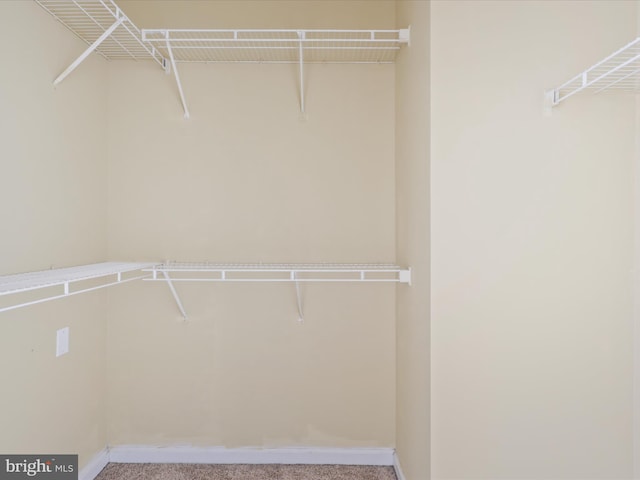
[404, 276]
[175, 294]
[89, 50]
[177, 76]
[301, 37]
[298, 297]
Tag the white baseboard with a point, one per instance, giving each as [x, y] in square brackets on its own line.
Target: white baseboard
[397, 467]
[95, 466]
[221, 455]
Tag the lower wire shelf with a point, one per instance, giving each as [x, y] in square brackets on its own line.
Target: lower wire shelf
[190, 272]
[275, 272]
[65, 278]
[279, 272]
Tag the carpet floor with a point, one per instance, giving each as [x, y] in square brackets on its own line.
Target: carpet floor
[183, 471]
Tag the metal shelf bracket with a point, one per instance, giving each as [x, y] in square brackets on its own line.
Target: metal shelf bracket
[175, 294]
[176, 76]
[301, 36]
[90, 50]
[298, 297]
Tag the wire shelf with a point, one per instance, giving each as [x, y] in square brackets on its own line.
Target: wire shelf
[189, 266]
[294, 273]
[108, 31]
[279, 272]
[279, 46]
[619, 72]
[26, 282]
[89, 19]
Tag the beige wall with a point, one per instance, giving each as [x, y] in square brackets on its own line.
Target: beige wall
[247, 179]
[532, 229]
[412, 210]
[333, 14]
[53, 213]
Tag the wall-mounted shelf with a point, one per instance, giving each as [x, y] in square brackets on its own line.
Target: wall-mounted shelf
[192, 272]
[108, 31]
[276, 46]
[103, 26]
[618, 72]
[292, 273]
[65, 278]
[273, 272]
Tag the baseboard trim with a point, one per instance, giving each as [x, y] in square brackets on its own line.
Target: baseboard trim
[397, 467]
[95, 465]
[221, 455]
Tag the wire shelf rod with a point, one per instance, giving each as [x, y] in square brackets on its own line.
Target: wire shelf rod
[291, 48]
[284, 267]
[274, 40]
[292, 31]
[620, 82]
[287, 62]
[280, 280]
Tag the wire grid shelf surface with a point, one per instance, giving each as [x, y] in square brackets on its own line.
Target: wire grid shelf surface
[280, 272]
[279, 46]
[23, 282]
[207, 266]
[619, 72]
[89, 19]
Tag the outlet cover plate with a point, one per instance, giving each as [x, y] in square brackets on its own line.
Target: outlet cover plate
[62, 341]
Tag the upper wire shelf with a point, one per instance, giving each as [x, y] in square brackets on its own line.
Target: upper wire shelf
[619, 72]
[89, 19]
[278, 46]
[108, 31]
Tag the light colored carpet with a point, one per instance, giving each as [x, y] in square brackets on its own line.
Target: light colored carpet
[183, 471]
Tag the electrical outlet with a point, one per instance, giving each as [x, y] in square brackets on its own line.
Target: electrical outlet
[62, 341]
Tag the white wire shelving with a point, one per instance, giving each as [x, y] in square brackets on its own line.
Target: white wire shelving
[108, 31]
[292, 273]
[104, 27]
[65, 278]
[172, 272]
[275, 46]
[278, 46]
[618, 72]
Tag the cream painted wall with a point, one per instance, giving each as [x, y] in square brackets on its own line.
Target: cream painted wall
[532, 244]
[413, 237]
[247, 179]
[334, 14]
[53, 213]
